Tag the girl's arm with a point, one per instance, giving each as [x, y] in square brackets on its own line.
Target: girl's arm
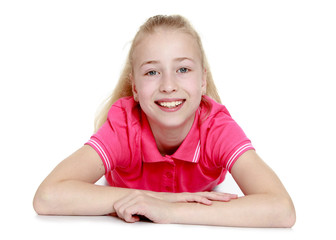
[266, 202]
[70, 190]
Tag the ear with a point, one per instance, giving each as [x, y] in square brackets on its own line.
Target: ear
[204, 81]
[134, 91]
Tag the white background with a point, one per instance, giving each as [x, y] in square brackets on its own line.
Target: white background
[274, 63]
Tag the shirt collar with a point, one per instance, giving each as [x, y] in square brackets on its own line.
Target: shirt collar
[188, 151]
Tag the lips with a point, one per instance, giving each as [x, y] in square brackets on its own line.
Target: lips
[170, 104]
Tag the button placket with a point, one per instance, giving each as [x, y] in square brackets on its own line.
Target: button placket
[169, 182]
[169, 175]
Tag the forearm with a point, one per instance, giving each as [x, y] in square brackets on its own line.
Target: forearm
[260, 210]
[72, 197]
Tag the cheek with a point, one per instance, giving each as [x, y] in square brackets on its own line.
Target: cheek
[145, 90]
[194, 84]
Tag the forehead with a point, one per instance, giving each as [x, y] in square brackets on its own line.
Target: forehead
[164, 44]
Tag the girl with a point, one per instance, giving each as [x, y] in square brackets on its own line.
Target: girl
[164, 141]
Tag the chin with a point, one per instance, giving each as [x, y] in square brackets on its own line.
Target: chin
[175, 122]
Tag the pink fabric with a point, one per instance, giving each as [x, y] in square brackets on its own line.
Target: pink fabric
[128, 150]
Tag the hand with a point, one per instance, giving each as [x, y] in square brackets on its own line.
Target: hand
[156, 205]
[140, 203]
[199, 197]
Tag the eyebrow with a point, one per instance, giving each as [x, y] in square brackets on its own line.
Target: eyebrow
[149, 62]
[183, 58]
[179, 59]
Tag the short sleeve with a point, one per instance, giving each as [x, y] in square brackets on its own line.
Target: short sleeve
[111, 140]
[228, 141]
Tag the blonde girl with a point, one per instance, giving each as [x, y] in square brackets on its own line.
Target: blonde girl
[163, 142]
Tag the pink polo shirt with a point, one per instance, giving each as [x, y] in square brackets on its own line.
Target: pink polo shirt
[127, 147]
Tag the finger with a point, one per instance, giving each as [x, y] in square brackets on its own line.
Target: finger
[216, 196]
[234, 196]
[201, 199]
[126, 213]
[134, 212]
[192, 197]
[129, 207]
[228, 195]
[131, 218]
[121, 205]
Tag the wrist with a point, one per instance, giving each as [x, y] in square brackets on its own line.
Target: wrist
[177, 212]
[173, 209]
[189, 213]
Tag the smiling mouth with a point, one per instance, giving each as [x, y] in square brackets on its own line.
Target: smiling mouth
[170, 104]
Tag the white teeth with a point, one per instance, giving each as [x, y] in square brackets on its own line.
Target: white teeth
[170, 104]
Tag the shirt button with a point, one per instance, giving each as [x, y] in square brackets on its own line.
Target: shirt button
[168, 188]
[169, 175]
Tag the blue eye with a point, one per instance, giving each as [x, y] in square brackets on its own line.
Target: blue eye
[183, 70]
[152, 73]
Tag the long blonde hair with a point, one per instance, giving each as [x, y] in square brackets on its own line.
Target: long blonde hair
[124, 85]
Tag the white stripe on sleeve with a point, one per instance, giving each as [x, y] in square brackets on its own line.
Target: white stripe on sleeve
[102, 153]
[236, 153]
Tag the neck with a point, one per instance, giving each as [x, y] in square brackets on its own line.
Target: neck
[168, 140]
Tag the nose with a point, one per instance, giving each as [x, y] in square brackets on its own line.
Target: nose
[168, 84]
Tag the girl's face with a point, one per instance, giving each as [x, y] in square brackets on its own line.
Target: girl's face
[168, 78]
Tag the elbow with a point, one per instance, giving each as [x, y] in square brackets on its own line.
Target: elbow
[42, 201]
[286, 216]
[290, 218]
